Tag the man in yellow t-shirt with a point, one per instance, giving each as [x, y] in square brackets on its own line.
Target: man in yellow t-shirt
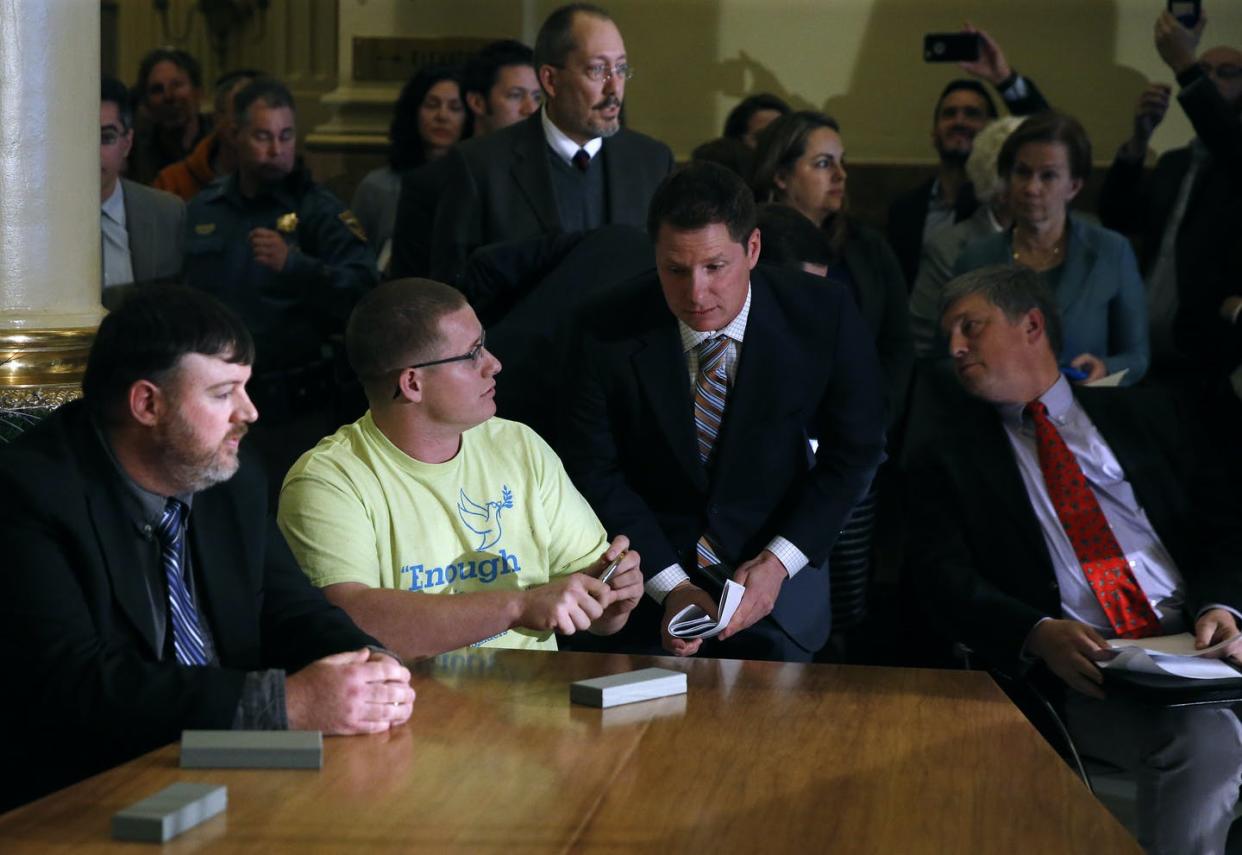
[428, 494]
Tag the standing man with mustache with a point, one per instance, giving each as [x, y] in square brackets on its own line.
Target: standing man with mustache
[571, 167]
[962, 111]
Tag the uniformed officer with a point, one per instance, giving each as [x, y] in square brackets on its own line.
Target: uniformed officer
[286, 255]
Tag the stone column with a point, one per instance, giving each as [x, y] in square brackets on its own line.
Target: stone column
[49, 202]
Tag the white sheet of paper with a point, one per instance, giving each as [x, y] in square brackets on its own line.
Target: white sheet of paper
[693, 622]
[1179, 644]
[1194, 667]
[1113, 379]
[1170, 655]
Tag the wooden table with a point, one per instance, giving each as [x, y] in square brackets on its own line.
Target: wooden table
[757, 757]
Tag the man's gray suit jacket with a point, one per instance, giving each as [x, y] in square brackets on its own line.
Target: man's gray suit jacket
[155, 222]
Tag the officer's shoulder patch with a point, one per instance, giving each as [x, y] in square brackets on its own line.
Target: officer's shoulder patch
[204, 228]
[351, 222]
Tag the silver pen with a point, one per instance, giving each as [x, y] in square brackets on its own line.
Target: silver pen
[612, 568]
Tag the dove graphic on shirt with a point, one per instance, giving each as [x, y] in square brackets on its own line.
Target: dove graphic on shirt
[484, 519]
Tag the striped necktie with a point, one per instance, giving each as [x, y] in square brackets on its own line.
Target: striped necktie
[711, 390]
[187, 642]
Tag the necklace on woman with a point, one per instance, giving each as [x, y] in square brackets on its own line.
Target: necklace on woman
[1038, 258]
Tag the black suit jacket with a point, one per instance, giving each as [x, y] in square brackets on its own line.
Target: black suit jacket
[416, 216]
[807, 368]
[87, 687]
[527, 293]
[1140, 206]
[499, 188]
[976, 549]
[884, 304]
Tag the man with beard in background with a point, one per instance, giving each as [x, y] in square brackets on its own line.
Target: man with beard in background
[572, 167]
[963, 110]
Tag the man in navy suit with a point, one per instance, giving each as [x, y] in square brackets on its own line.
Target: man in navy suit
[789, 359]
[995, 507]
[571, 167]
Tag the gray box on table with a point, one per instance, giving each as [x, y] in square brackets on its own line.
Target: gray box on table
[174, 809]
[251, 749]
[630, 687]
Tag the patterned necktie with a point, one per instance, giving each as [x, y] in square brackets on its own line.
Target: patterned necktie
[582, 160]
[187, 642]
[711, 390]
[1103, 562]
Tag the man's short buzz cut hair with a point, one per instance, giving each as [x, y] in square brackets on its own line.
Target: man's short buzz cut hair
[229, 81]
[555, 41]
[269, 90]
[1014, 290]
[145, 337]
[397, 324]
[699, 195]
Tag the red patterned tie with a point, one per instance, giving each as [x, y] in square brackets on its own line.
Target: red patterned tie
[1103, 562]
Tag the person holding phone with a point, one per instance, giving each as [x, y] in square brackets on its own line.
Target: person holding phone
[963, 109]
[1091, 270]
[1180, 209]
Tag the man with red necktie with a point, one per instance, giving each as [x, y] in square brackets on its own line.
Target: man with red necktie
[1047, 518]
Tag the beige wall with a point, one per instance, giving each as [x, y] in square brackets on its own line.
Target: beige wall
[295, 40]
[859, 59]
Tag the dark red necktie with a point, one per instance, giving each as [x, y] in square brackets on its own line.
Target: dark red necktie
[1103, 562]
[582, 160]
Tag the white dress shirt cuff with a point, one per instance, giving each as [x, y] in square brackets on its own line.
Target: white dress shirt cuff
[658, 586]
[1016, 89]
[1025, 655]
[791, 556]
[1236, 615]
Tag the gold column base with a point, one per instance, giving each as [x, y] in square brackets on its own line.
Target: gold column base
[42, 369]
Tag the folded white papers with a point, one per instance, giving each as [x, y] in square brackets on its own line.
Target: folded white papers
[1170, 655]
[693, 622]
[1113, 379]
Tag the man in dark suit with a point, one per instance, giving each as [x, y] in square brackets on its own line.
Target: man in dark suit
[500, 89]
[145, 588]
[703, 494]
[963, 109]
[142, 229]
[572, 167]
[1046, 519]
[527, 294]
[1181, 211]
